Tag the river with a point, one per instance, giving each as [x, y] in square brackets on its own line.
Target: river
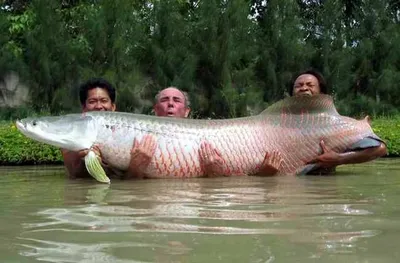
[353, 216]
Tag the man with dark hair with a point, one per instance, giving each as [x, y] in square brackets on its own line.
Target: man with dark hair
[309, 83]
[99, 95]
[96, 94]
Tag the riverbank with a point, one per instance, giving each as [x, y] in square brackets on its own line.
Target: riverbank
[16, 149]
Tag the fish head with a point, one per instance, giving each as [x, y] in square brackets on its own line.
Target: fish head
[72, 132]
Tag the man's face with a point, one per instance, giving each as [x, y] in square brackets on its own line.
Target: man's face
[171, 103]
[306, 85]
[98, 99]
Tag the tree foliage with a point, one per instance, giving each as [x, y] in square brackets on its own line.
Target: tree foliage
[233, 57]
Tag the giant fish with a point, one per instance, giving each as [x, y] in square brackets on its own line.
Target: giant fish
[293, 127]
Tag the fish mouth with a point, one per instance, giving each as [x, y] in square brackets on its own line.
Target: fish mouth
[19, 125]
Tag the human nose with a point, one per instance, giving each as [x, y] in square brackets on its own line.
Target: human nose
[98, 105]
[304, 87]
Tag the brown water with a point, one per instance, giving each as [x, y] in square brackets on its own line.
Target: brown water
[351, 217]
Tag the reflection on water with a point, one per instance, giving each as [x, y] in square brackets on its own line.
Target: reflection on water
[245, 219]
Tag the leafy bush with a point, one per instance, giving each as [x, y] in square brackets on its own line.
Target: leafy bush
[17, 149]
[388, 129]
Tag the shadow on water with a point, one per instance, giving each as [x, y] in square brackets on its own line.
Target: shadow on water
[352, 216]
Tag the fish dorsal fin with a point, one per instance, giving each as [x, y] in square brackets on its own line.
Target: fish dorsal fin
[303, 104]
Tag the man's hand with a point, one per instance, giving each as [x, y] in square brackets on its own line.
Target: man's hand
[83, 153]
[271, 164]
[211, 160]
[328, 158]
[141, 155]
[74, 163]
[95, 148]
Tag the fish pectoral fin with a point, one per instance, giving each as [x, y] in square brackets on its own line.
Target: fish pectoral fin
[95, 169]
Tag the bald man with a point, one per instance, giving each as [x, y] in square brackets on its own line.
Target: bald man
[172, 102]
[169, 102]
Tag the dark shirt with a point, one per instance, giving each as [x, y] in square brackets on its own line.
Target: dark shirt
[368, 142]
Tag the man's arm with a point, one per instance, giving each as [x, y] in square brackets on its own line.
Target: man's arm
[74, 164]
[330, 158]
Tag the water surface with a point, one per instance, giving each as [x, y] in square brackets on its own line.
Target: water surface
[353, 216]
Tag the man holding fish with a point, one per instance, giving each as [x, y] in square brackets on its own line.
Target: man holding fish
[306, 83]
[96, 94]
[269, 123]
[310, 83]
[99, 95]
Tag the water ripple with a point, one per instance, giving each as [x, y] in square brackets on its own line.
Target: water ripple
[178, 216]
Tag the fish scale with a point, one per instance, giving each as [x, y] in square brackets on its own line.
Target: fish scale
[177, 145]
[293, 127]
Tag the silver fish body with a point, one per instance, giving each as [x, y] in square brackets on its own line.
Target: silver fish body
[294, 127]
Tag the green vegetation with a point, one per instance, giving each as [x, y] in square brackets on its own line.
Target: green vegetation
[388, 129]
[16, 149]
[233, 57]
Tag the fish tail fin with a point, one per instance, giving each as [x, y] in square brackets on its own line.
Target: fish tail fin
[95, 169]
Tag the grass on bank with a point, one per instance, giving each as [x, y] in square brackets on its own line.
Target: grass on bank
[388, 129]
[16, 149]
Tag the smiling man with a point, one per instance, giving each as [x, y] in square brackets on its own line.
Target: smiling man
[96, 94]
